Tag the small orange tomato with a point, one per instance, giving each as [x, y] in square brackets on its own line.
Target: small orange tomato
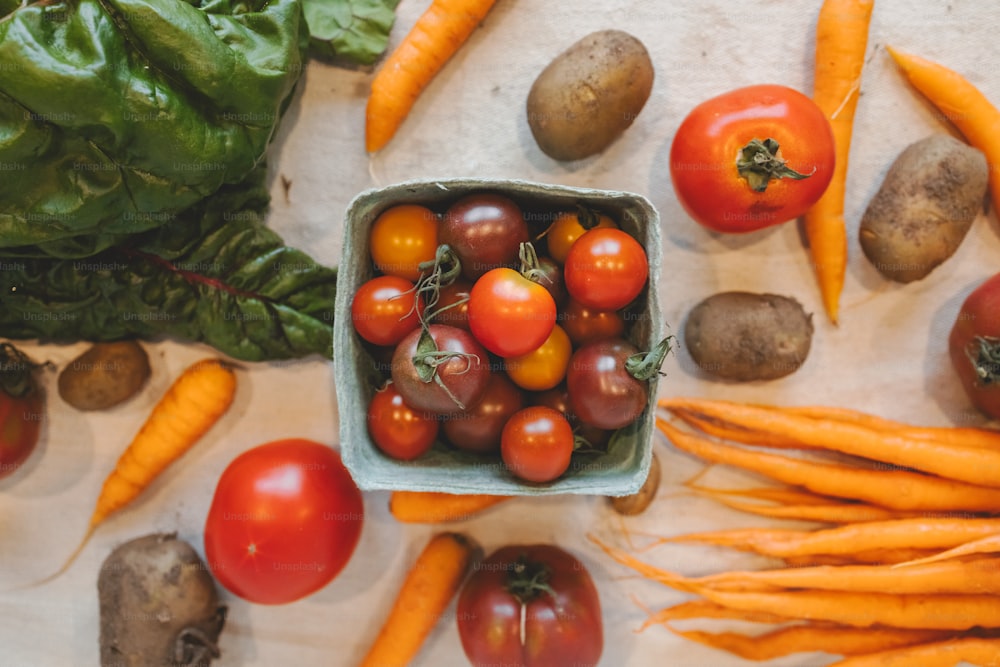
[543, 367]
[401, 238]
[568, 227]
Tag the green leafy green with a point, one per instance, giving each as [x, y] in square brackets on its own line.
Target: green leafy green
[352, 30]
[217, 276]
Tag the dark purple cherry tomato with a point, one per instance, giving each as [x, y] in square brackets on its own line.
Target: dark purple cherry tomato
[440, 369]
[485, 231]
[478, 429]
[602, 392]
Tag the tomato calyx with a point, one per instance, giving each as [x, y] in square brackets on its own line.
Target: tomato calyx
[985, 358]
[16, 369]
[428, 357]
[443, 270]
[646, 365]
[758, 163]
[528, 580]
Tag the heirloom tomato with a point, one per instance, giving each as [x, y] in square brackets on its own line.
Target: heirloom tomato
[974, 346]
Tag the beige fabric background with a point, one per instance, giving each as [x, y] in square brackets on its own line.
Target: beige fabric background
[888, 354]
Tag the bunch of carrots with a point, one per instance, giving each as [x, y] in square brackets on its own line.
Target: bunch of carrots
[901, 571]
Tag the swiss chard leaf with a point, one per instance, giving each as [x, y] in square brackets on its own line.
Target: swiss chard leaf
[219, 277]
[351, 30]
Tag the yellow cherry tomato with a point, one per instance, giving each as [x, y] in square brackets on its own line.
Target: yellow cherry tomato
[401, 238]
[545, 366]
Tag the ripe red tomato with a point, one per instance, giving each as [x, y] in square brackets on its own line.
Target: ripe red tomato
[509, 314]
[602, 393]
[22, 408]
[385, 309]
[568, 227]
[397, 429]
[605, 269]
[715, 139]
[401, 238]
[531, 606]
[284, 521]
[536, 444]
[584, 324]
[974, 346]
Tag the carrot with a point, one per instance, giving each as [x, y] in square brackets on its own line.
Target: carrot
[784, 495]
[720, 428]
[704, 609]
[895, 489]
[948, 653]
[985, 545]
[431, 583]
[919, 533]
[974, 465]
[433, 507]
[434, 39]
[841, 41]
[840, 513]
[809, 638]
[962, 104]
[189, 408]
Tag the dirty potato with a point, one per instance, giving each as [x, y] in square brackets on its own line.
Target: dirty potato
[589, 95]
[745, 336]
[105, 375]
[637, 502]
[924, 208]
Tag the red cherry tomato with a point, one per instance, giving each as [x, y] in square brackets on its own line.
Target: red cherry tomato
[584, 324]
[709, 145]
[605, 269]
[284, 521]
[567, 228]
[397, 429]
[385, 309]
[536, 444]
[509, 314]
[531, 606]
[974, 346]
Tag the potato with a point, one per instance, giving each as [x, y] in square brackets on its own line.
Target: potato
[744, 336]
[105, 375]
[158, 605]
[924, 208]
[637, 502]
[585, 98]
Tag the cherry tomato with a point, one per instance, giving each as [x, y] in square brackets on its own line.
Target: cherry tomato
[545, 366]
[397, 429]
[284, 521]
[478, 429]
[509, 314]
[568, 227]
[974, 346]
[485, 231]
[452, 307]
[401, 238]
[717, 137]
[549, 275]
[606, 269]
[584, 324]
[22, 407]
[385, 309]
[557, 398]
[440, 370]
[602, 392]
[530, 606]
[536, 444]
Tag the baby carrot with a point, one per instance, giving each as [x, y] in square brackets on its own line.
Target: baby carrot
[189, 408]
[431, 583]
[434, 39]
[433, 507]
[895, 489]
[841, 41]
[947, 653]
[962, 104]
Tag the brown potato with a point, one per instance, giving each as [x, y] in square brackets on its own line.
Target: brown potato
[924, 208]
[641, 499]
[105, 375]
[589, 95]
[744, 336]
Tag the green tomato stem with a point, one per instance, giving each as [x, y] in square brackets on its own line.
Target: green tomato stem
[985, 358]
[646, 365]
[758, 163]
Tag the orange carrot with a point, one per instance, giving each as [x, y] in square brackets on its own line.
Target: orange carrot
[784, 495]
[434, 39]
[985, 545]
[895, 489]
[841, 41]
[431, 583]
[835, 513]
[962, 104]
[984, 652]
[704, 609]
[189, 408]
[433, 507]
[974, 465]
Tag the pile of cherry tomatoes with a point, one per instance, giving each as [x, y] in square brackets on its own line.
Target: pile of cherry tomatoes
[500, 330]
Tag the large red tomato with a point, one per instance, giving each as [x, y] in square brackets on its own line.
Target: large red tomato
[974, 346]
[22, 407]
[752, 158]
[531, 606]
[284, 521]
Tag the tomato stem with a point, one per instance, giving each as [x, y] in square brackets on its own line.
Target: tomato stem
[984, 354]
[443, 270]
[16, 370]
[646, 365]
[758, 163]
[427, 357]
[528, 579]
